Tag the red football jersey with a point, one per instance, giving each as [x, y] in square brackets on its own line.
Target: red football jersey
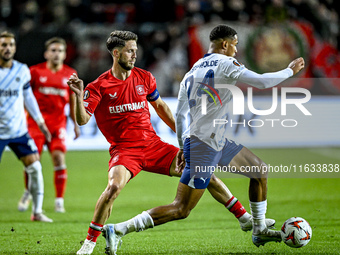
[121, 107]
[52, 92]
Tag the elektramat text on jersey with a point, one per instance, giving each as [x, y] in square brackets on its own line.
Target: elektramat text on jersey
[127, 107]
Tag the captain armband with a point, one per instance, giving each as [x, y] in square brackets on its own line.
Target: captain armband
[153, 96]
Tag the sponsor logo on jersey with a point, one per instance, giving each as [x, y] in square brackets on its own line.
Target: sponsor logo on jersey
[52, 91]
[127, 107]
[86, 94]
[43, 79]
[9, 93]
[113, 96]
[140, 89]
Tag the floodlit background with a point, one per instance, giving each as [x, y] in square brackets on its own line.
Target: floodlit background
[173, 34]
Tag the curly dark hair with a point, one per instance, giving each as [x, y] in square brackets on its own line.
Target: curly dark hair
[221, 32]
[118, 38]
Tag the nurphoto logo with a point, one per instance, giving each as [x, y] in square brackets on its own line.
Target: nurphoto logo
[238, 103]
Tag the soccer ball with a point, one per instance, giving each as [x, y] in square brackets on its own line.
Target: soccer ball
[296, 232]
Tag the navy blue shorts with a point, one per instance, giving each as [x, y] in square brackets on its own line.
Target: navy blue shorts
[202, 160]
[21, 146]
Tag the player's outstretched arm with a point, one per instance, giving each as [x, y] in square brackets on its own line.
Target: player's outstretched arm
[268, 80]
[77, 86]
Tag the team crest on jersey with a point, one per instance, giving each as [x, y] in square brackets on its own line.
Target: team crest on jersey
[86, 94]
[42, 79]
[115, 159]
[140, 89]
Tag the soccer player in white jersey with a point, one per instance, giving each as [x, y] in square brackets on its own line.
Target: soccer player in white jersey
[202, 144]
[15, 93]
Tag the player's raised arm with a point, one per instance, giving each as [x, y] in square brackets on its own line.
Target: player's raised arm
[77, 86]
[73, 116]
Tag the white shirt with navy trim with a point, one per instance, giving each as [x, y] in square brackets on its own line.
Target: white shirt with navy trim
[12, 114]
[210, 70]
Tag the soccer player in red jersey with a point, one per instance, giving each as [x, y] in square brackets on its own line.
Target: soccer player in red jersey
[119, 100]
[49, 85]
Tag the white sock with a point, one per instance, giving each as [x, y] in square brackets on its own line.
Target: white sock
[258, 210]
[59, 201]
[245, 217]
[36, 186]
[138, 223]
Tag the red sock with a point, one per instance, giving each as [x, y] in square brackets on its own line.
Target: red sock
[94, 231]
[60, 178]
[235, 207]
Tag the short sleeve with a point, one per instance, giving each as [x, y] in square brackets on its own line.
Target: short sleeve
[153, 94]
[91, 98]
[26, 75]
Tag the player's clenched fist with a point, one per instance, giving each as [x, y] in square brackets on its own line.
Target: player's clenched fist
[297, 65]
[76, 84]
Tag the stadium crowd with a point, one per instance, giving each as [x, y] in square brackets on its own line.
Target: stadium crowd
[166, 30]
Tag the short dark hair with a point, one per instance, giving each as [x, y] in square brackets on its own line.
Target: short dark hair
[222, 32]
[7, 34]
[118, 38]
[55, 40]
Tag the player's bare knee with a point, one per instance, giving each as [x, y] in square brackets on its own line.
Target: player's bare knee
[182, 211]
[213, 180]
[58, 158]
[30, 159]
[259, 181]
[112, 190]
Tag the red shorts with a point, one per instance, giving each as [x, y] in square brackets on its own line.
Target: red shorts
[58, 141]
[156, 157]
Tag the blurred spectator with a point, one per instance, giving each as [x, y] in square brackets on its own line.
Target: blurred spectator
[235, 10]
[276, 11]
[169, 40]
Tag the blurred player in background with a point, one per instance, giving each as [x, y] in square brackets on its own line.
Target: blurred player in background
[119, 100]
[49, 85]
[203, 144]
[15, 93]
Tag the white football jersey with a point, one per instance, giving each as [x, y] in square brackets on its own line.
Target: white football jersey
[200, 82]
[12, 114]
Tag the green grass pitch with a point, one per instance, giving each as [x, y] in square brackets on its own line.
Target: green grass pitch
[210, 228]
